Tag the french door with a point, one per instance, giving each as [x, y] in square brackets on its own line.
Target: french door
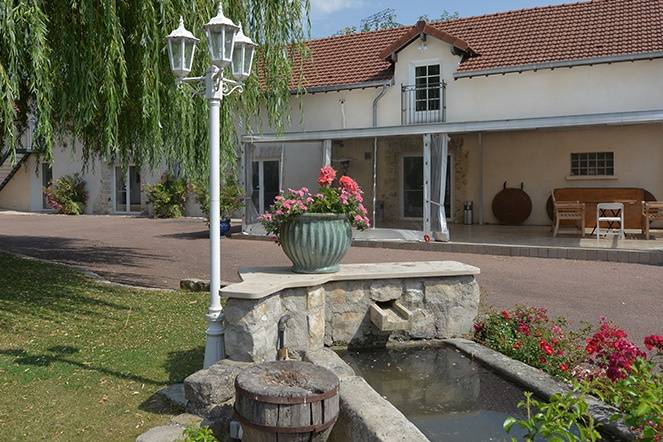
[127, 190]
[412, 189]
[266, 183]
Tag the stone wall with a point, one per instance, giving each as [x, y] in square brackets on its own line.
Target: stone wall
[337, 313]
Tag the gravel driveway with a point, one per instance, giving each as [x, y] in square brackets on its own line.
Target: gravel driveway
[158, 253]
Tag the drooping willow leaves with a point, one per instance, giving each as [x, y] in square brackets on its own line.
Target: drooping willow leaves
[98, 70]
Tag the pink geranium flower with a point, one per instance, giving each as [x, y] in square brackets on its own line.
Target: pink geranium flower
[327, 176]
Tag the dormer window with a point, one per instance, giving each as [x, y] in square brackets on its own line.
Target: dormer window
[422, 101]
[428, 85]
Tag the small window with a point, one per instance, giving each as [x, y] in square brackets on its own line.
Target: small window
[593, 164]
[428, 84]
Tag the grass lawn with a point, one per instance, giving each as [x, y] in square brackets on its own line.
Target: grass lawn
[81, 361]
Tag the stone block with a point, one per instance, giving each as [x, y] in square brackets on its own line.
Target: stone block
[422, 324]
[386, 290]
[345, 327]
[165, 433]
[213, 386]
[174, 394]
[455, 304]
[251, 328]
[186, 420]
[413, 293]
[316, 329]
[315, 298]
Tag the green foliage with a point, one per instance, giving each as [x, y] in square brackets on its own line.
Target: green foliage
[639, 395]
[202, 434]
[231, 197]
[565, 417]
[167, 197]
[444, 16]
[67, 195]
[98, 70]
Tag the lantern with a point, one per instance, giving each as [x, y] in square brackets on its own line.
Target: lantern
[221, 31]
[181, 48]
[242, 56]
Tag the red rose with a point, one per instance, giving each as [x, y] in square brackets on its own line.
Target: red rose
[517, 345]
[505, 315]
[547, 349]
[563, 367]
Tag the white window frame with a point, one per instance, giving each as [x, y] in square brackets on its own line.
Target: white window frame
[127, 197]
[427, 115]
[261, 180]
[401, 190]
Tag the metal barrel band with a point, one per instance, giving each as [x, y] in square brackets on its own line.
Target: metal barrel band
[286, 400]
[318, 428]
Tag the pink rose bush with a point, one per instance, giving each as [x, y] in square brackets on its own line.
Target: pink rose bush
[343, 196]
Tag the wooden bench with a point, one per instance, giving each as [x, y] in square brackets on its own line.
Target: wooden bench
[632, 198]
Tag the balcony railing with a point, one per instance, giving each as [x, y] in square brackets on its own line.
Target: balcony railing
[422, 104]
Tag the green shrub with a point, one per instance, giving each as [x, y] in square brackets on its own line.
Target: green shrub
[202, 434]
[167, 197]
[67, 195]
[565, 417]
[230, 201]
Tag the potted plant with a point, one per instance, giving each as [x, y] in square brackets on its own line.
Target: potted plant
[231, 199]
[315, 230]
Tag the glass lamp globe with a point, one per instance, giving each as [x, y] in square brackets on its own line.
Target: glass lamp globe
[242, 56]
[221, 31]
[181, 48]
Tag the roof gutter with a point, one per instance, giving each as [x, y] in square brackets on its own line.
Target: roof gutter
[560, 64]
[344, 87]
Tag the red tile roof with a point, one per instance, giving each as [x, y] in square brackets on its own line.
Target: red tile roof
[568, 32]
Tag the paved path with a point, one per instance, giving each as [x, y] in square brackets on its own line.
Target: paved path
[159, 253]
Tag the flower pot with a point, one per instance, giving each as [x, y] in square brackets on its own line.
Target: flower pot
[225, 227]
[316, 242]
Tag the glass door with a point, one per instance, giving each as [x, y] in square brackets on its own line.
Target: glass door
[413, 187]
[266, 183]
[127, 190]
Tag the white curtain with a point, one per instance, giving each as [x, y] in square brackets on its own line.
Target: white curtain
[439, 165]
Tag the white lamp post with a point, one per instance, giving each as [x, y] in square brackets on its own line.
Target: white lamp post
[221, 35]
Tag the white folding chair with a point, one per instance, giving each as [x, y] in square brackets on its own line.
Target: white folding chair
[610, 213]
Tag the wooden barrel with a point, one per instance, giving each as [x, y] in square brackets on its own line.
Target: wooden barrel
[286, 401]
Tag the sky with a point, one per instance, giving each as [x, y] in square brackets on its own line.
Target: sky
[328, 16]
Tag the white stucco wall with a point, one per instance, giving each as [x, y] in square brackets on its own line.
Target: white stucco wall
[603, 88]
[542, 160]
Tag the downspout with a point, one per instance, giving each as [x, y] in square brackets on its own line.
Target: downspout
[377, 98]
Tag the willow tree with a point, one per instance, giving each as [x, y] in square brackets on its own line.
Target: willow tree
[98, 70]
